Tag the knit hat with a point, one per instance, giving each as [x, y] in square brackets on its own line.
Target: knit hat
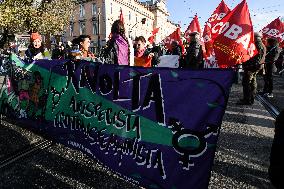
[193, 33]
[35, 36]
[257, 35]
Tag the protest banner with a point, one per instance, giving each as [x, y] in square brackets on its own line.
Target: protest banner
[156, 127]
[169, 61]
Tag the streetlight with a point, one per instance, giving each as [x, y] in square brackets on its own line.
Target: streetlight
[99, 37]
[142, 21]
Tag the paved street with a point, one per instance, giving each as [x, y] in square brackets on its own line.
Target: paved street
[278, 100]
[241, 160]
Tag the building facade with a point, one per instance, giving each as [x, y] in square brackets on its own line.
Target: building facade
[95, 18]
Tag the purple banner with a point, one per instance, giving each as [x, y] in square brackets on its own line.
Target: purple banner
[156, 127]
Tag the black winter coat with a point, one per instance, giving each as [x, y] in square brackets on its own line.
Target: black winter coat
[277, 154]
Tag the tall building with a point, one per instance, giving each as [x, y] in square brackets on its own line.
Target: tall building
[95, 18]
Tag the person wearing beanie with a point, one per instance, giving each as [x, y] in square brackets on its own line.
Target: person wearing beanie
[36, 49]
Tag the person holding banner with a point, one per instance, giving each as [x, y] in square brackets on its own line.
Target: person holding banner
[142, 57]
[156, 50]
[84, 42]
[36, 49]
[273, 52]
[251, 68]
[194, 54]
[176, 48]
[117, 50]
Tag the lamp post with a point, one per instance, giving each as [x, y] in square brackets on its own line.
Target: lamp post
[99, 37]
[131, 29]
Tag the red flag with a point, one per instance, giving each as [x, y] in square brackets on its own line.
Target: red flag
[152, 37]
[155, 31]
[121, 16]
[194, 26]
[235, 42]
[221, 11]
[175, 36]
[275, 30]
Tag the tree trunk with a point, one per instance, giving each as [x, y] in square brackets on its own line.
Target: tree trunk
[47, 41]
[4, 38]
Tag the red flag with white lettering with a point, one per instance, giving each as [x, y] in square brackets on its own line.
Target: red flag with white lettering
[194, 26]
[175, 36]
[221, 11]
[235, 42]
[275, 30]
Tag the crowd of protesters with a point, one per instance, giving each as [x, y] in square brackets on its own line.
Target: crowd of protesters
[121, 50]
[268, 61]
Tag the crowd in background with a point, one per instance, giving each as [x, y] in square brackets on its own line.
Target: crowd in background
[121, 50]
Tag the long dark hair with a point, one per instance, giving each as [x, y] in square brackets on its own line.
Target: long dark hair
[81, 38]
[118, 28]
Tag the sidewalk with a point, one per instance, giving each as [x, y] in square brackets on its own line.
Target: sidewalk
[242, 157]
[278, 92]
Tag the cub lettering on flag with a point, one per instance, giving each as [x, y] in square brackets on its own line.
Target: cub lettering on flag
[276, 30]
[235, 41]
[175, 36]
[221, 11]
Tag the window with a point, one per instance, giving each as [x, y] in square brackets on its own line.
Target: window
[95, 27]
[110, 8]
[129, 16]
[82, 10]
[94, 9]
[82, 28]
[72, 18]
[71, 33]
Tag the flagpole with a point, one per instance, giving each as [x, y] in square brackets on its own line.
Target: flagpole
[99, 37]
